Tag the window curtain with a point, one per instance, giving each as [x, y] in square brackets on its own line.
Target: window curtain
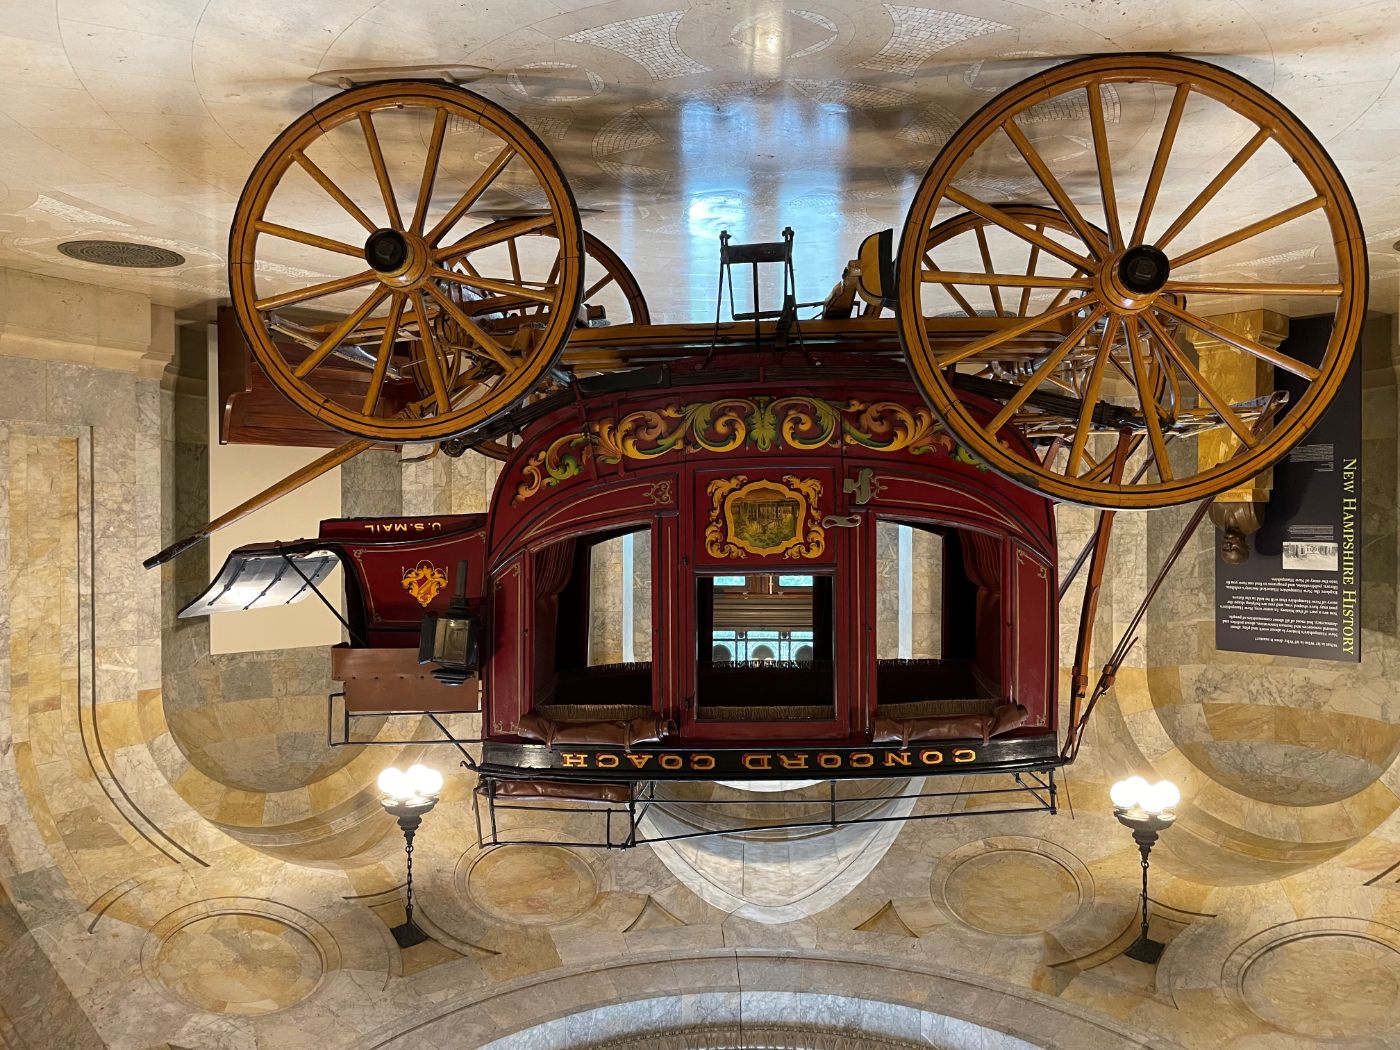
[982, 564]
[554, 567]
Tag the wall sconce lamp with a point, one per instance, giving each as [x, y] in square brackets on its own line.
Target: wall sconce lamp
[408, 796]
[1147, 810]
[449, 639]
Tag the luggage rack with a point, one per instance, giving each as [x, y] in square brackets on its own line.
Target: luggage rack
[621, 807]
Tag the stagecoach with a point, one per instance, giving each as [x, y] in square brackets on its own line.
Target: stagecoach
[784, 490]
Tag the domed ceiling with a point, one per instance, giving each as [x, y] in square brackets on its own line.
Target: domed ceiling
[185, 864]
[132, 122]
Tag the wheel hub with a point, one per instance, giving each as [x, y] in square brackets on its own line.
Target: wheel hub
[401, 259]
[1143, 269]
[1132, 279]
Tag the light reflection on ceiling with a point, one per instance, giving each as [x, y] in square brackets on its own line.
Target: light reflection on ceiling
[674, 121]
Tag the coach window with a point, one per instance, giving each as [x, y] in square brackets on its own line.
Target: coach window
[593, 627]
[764, 652]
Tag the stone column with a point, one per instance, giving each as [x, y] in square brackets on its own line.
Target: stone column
[1237, 377]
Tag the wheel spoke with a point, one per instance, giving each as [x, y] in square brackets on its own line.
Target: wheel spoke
[1214, 186]
[1094, 91]
[1113, 360]
[1091, 237]
[1249, 288]
[1159, 163]
[431, 361]
[381, 171]
[1020, 328]
[315, 291]
[514, 259]
[1240, 342]
[336, 193]
[1162, 363]
[430, 169]
[473, 194]
[1146, 401]
[1016, 400]
[986, 253]
[315, 240]
[386, 351]
[950, 289]
[490, 284]
[339, 332]
[1091, 397]
[1060, 297]
[1195, 377]
[493, 234]
[489, 345]
[1020, 229]
[1246, 232]
[1030, 270]
[598, 286]
[1014, 280]
[549, 281]
[1104, 467]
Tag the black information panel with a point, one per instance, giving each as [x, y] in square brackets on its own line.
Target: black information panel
[1299, 592]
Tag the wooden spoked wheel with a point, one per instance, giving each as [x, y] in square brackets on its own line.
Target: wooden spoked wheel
[355, 231]
[1167, 200]
[610, 290]
[952, 242]
[611, 295]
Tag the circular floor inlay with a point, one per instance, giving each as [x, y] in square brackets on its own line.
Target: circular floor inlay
[239, 964]
[1326, 986]
[1012, 891]
[534, 885]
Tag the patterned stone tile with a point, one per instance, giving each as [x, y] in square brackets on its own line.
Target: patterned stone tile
[649, 40]
[921, 32]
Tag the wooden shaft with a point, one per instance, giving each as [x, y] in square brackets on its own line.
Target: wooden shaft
[1213, 187]
[1159, 163]
[1094, 93]
[1098, 563]
[1091, 397]
[336, 193]
[1020, 229]
[1009, 280]
[332, 459]
[381, 170]
[1246, 232]
[988, 269]
[961, 300]
[1037, 164]
[1240, 342]
[1051, 362]
[314, 240]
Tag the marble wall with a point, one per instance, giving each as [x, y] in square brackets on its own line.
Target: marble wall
[184, 863]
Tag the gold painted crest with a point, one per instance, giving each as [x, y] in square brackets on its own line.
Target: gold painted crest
[764, 517]
[424, 581]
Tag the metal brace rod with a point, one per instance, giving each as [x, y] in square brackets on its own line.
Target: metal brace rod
[1129, 637]
[354, 634]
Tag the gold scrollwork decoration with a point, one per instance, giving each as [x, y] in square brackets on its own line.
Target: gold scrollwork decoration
[553, 464]
[803, 424]
[424, 581]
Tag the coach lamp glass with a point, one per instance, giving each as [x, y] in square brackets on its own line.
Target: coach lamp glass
[408, 795]
[449, 639]
[1147, 810]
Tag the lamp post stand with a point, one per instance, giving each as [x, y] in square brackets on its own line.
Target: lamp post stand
[410, 817]
[1146, 828]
